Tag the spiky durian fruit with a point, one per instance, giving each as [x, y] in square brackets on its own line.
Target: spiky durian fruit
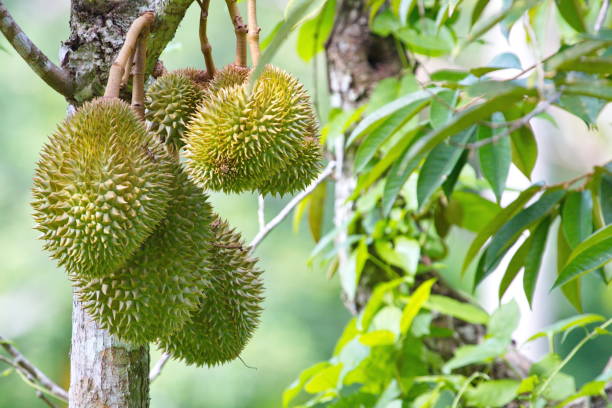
[155, 293]
[198, 76]
[230, 75]
[230, 309]
[238, 141]
[101, 187]
[170, 102]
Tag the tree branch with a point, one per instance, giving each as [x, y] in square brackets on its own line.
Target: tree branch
[204, 43]
[287, 209]
[115, 74]
[159, 366]
[261, 211]
[253, 31]
[241, 32]
[54, 76]
[31, 372]
[140, 60]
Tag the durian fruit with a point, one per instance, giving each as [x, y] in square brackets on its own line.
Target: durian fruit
[239, 141]
[197, 76]
[101, 187]
[230, 308]
[230, 75]
[169, 104]
[155, 293]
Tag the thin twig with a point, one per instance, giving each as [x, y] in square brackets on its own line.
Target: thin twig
[601, 17]
[119, 65]
[287, 209]
[25, 367]
[159, 366]
[241, 32]
[254, 30]
[46, 400]
[140, 61]
[513, 125]
[261, 211]
[204, 43]
[56, 77]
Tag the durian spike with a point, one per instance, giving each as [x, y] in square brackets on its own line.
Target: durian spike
[140, 60]
[204, 43]
[241, 32]
[119, 65]
[254, 29]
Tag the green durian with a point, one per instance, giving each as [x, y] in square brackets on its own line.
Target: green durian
[170, 102]
[239, 141]
[230, 75]
[230, 308]
[101, 187]
[155, 293]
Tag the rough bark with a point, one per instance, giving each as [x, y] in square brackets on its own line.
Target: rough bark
[106, 372]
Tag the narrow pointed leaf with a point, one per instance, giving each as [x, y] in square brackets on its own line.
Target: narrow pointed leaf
[495, 159]
[573, 13]
[516, 264]
[571, 290]
[533, 261]
[577, 217]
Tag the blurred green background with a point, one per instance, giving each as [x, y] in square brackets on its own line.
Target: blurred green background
[303, 313]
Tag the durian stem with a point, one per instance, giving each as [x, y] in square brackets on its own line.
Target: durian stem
[241, 32]
[127, 71]
[117, 69]
[140, 60]
[254, 30]
[204, 43]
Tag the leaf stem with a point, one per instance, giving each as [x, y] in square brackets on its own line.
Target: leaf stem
[241, 32]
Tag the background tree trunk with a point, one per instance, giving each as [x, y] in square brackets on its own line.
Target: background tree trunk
[106, 372]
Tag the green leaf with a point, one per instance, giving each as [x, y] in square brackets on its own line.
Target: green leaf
[451, 75]
[495, 159]
[577, 217]
[265, 42]
[573, 13]
[427, 43]
[385, 23]
[415, 303]
[377, 338]
[349, 333]
[298, 213]
[324, 380]
[496, 223]
[524, 150]
[442, 108]
[574, 52]
[316, 207]
[439, 164]
[394, 153]
[508, 234]
[294, 389]
[505, 60]
[361, 256]
[605, 190]
[464, 311]
[591, 65]
[408, 251]
[504, 321]
[375, 118]
[404, 167]
[533, 261]
[471, 211]
[567, 324]
[495, 393]
[377, 137]
[597, 88]
[376, 301]
[516, 264]
[592, 253]
[477, 11]
[571, 290]
[451, 181]
[314, 33]
[472, 354]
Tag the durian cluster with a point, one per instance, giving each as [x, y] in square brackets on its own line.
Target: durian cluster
[131, 223]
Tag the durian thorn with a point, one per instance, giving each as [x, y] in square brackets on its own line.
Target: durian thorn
[241, 32]
[118, 67]
[204, 43]
[253, 31]
[140, 59]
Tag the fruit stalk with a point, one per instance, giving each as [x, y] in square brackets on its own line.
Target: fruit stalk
[119, 65]
[140, 60]
[254, 29]
[204, 43]
[241, 32]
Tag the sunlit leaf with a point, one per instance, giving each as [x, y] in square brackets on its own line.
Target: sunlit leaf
[495, 393]
[461, 310]
[567, 324]
[314, 33]
[415, 303]
[471, 211]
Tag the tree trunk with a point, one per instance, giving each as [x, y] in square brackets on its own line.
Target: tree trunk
[106, 372]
